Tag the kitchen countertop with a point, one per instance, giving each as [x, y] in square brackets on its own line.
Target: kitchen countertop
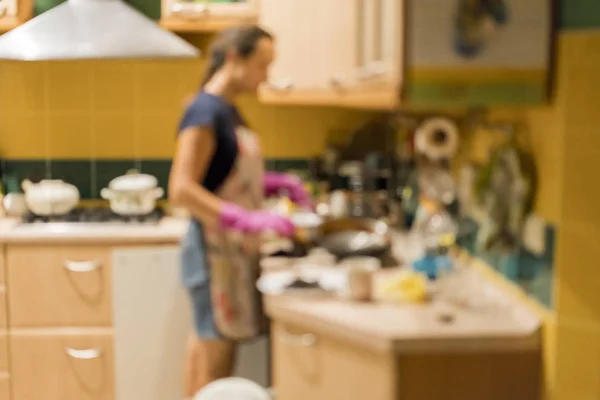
[168, 230]
[507, 326]
[500, 323]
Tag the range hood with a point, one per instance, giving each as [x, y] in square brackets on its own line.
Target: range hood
[91, 29]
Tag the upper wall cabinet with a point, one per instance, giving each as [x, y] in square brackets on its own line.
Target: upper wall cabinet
[14, 12]
[334, 52]
[384, 54]
[207, 15]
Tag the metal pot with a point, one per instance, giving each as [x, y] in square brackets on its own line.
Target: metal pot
[50, 197]
[355, 237]
[133, 193]
[307, 225]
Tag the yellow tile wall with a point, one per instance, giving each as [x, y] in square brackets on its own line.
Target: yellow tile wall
[578, 253]
[126, 109]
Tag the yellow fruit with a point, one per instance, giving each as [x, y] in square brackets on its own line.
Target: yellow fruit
[408, 286]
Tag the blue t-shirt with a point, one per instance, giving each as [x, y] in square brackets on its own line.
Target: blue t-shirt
[223, 118]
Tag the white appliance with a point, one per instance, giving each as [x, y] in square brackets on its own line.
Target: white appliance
[152, 321]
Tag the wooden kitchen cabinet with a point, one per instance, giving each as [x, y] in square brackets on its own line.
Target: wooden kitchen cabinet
[385, 54]
[70, 366]
[207, 15]
[311, 366]
[339, 52]
[59, 286]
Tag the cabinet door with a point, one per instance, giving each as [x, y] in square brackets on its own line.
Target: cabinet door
[379, 53]
[310, 366]
[61, 367]
[338, 52]
[314, 44]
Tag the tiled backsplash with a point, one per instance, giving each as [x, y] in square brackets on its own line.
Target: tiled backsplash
[533, 273]
[90, 176]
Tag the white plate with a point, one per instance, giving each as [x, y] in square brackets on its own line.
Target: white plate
[330, 279]
[233, 389]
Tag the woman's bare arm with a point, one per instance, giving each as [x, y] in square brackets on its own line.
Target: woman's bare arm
[195, 147]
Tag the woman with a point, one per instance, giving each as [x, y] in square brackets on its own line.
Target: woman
[217, 175]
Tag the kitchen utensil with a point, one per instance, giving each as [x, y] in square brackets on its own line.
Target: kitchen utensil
[14, 204]
[355, 236]
[133, 193]
[50, 197]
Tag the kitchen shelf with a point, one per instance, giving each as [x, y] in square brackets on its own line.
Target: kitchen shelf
[178, 24]
[24, 13]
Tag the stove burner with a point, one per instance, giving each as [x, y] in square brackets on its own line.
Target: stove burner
[94, 215]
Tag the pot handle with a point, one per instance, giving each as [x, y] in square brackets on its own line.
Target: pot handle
[158, 192]
[26, 184]
[106, 194]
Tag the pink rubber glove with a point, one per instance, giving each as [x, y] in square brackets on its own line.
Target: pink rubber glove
[274, 182]
[254, 222]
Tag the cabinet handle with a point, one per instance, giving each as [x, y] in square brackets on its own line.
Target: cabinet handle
[373, 70]
[305, 340]
[189, 11]
[281, 87]
[82, 266]
[86, 354]
[338, 82]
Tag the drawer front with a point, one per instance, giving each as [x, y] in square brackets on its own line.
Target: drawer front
[309, 366]
[62, 367]
[4, 387]
[3, 353]
[56, 286]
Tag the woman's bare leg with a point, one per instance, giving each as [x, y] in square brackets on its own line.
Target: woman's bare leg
[207, 360]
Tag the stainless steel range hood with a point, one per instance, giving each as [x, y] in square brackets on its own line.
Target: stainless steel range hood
[91, 29]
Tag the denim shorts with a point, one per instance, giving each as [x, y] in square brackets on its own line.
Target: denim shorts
[202, 312]
[195, 276]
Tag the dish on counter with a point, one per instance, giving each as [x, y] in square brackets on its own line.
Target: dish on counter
[302, 282]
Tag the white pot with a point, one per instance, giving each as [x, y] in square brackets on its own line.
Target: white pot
[132, 193]
[50, 197]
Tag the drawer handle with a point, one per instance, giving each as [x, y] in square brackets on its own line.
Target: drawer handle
[82, 266]
[305, 340]
[87, 354]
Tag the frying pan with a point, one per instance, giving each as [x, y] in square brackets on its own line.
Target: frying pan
[355, 237]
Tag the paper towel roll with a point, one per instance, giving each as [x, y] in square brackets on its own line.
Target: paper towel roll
[437, 138]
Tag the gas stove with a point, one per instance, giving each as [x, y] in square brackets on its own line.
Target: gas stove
[94, 215]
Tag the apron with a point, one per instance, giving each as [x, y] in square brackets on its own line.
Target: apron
[237, 304]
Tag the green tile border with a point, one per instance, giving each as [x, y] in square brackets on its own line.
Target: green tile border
[91, 176]
[461, 95]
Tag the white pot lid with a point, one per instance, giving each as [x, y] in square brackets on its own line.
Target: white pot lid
[133, 181]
